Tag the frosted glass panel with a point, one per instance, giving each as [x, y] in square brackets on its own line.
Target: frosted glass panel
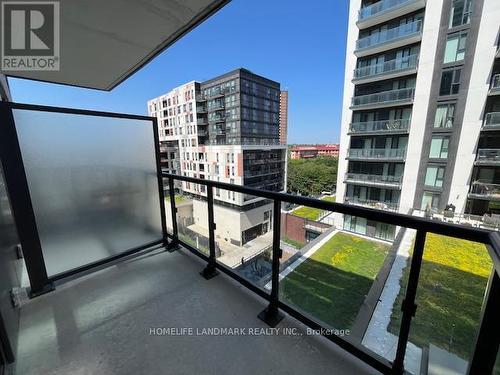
[93, 185]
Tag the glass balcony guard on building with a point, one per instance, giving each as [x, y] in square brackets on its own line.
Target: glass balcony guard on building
[377, 153]
[488, 155]
[392, 206]
[495, 82]
[486, 190]
[401, 63]
[381, 125]
[380, 7]
[492, 119]
[389, 35]
[384, 97]
[376, 178]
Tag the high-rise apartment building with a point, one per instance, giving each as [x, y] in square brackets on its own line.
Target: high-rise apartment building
[225, 129]
[420, 124]
[283, 118]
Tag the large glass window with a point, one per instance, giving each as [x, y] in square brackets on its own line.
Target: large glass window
[455, 47]
[434, 176]
[450, 82]
[444, 115]
[439, 147]
[460, 12]
[430, 201]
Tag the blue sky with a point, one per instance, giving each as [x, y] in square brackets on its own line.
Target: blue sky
[299, 44]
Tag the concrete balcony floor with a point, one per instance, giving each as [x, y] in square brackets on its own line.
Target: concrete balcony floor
[100, 324]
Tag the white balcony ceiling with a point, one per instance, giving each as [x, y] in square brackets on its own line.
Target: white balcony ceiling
[104, 42]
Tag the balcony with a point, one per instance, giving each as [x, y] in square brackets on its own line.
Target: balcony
[492, 121]
[379, 205]
[391, 98]
[389, 69]
[495, 85]
[488, 157]
[377, 154]
[112, 216]
[374, 180]
[400, 126]
[485, 191]
[389, 39]
[201, 109]
[386, 10]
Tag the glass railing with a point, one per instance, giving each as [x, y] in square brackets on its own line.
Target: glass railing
[377, 153]
[201, 109]
[392, 206]
[382, 126]
[390, 35]
[376, 178]
[495, 82]
[391, 66]
[486, 190]
[492, 119]
[380, 8]
[384, 97]
[488, 155]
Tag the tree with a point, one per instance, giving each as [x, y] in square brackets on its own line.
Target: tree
[312, 176]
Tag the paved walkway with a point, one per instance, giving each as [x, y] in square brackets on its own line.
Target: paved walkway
[377, 337]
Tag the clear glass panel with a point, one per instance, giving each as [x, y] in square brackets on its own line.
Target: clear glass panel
[244, 235]
[450, 52]
[192, 215]
[331, 272]
[93, 184]
[450, 293]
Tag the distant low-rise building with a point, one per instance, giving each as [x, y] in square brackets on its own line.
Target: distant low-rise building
[314, 151]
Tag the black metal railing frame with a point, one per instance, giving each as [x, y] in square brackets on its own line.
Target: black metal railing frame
[487, 341]
[486, 347]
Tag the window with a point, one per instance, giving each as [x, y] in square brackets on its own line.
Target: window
[460, 12]
[439, 147]
[430, 201]
[434, 176]
[450, 82]
[444, 115]
[455, 47]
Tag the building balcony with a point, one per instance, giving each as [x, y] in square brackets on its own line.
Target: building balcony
[389, 39]
[382, 126]
[488, 157]
[374, 180]
[492, 121]
[379, 205]
[201, 109]
[219, 118]
[394, 154]
[485, 191]
[216, 107]
[386, 10]
[384, 99]
[201, 120]
[495, 85]
[200, 98]
[389, 69]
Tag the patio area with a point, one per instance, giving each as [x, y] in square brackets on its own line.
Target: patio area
[100, 324]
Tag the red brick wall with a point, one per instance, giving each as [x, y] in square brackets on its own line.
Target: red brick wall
[293, 227]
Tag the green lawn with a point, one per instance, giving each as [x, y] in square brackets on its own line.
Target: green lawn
[178, 198]
[449, 296]
[332, 284]
[292, 242]
[309, 212]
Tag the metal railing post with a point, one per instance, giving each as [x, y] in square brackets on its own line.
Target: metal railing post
[488, 338]
[408, 306]
[271, 315]
[210, 270]
[22, 207]
[174, 244]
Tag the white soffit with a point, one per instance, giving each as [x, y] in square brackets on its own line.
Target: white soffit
[105, 41]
